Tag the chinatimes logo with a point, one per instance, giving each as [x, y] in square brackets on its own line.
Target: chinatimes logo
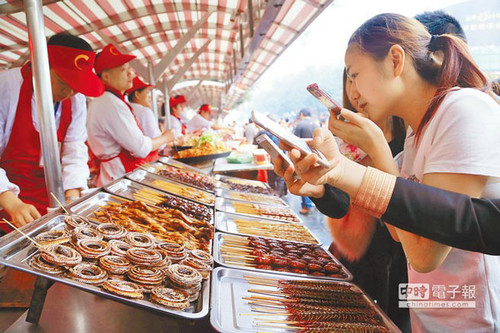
[423, 295]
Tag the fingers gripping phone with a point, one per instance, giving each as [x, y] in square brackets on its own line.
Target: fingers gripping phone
[325, 99]
[268, 145]
[288, 137]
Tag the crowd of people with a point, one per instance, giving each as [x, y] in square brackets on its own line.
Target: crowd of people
[411, 89]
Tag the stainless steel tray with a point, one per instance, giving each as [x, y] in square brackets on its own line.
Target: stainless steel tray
[225, 222]
[229, 286]
[251, 197]
[226, 205]
[127, 188]
[146, 178]
[218, 242]
[177, 164]
[93, 202]
[15, 251]
[155, 166]
[223, 178]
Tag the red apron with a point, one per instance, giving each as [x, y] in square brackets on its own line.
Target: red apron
[21, 158]
[129, 162]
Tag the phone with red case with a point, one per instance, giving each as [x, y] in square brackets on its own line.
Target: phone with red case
[325, 99]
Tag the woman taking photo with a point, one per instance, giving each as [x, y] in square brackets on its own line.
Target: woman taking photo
[398, 69]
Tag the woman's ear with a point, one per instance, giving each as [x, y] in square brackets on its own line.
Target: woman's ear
[397, 57]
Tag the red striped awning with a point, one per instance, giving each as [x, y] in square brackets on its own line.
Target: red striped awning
[230, 55]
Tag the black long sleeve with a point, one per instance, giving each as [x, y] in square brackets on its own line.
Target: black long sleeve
[446, 217]
[335, 202]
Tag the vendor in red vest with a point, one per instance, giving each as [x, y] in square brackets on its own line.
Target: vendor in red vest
[177, 104]
[115, 137]
[23, 194]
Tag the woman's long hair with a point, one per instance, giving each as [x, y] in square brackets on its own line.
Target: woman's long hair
[444, 60]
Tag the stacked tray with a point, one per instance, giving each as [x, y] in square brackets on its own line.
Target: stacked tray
[250, 197]
[253, 226]
[250, 302]
[17, 251]
[277, 257]
[244, 185]
[172, 187]
[178, 164]
[184, 176]
[136, 191]
[278, 213]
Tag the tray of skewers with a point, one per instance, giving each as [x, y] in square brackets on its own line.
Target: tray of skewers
[180, 165]
[113, 261]
[251, 197]
[244, 185]
[260, 302]
[277, 256]
[182, 190]
[279, 213]
[135, 191]
[252, 226]
[184, 176]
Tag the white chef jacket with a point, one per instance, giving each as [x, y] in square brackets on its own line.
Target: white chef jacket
[74, 154]
[176, 126]
[146, 120]
[112, 127]
[197, 123]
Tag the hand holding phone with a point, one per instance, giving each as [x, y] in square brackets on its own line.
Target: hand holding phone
[268, 145]
[288, 137]
[325, 99]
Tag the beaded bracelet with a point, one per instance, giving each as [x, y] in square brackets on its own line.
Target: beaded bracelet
[375, 192]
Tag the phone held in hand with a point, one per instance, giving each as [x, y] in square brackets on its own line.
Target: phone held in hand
[288, 137]
[325, 99]
[273, 150]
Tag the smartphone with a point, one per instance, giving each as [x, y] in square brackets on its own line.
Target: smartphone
[288, 137]
[272, 149]
[325, 99]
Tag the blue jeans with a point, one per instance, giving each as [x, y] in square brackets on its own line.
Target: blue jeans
[306, 202]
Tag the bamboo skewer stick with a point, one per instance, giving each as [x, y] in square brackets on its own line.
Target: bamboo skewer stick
[59, 202]
[25, 235]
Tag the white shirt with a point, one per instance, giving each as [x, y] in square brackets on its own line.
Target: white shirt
[176, 126]
[74, 155]
[462, 137]
[146, 119]
[112, 127]
[197, 123]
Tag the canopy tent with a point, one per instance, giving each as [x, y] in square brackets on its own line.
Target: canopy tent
[210, 50]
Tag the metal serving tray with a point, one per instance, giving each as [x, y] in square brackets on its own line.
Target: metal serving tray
[153, 168]
[222, 178]
[226, 205]
[218, 242]
[126, 188]
[16, 250]
[225, 222]
[265, 199]
[146, 178]
[180, 165]
[227, 307]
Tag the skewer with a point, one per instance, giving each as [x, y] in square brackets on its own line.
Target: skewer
[17, 229]
[59, 202]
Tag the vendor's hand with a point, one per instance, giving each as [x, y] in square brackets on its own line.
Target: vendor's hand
[306, 166]
[296, 186]
[20, 213]
[168, 135]
[358, 131]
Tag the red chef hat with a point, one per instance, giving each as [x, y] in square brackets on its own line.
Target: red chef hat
[205, 107]
[173, 101]
[110, 57]
[74, 66]
[137, 84]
